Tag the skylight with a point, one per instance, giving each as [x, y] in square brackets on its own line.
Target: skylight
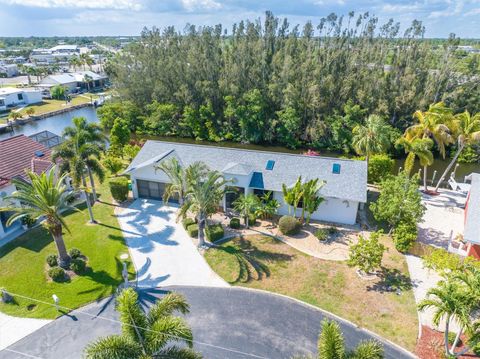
[336, 168]
[270, 164]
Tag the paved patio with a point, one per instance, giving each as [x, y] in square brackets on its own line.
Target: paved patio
[161, 250]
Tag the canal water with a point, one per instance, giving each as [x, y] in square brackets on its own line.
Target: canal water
[57, 124]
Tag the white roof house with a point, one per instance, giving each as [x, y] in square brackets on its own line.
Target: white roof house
[258, 172]
[71, 80]
[12, 96]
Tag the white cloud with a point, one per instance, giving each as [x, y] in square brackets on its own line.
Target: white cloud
[192, 5]
[453, 9]
[83, 4]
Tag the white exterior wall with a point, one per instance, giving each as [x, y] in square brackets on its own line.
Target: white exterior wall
[6, 191]
[331, 210]
[32, 97]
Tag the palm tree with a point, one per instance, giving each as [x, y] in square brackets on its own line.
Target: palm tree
[43, 198]
[467, 130]
[205, 190]
[331, 345]
[431, 124]
[176, 174]
[147, 335]
[92, 134]
[371, 138]
[450, 301]
[417, 147]
[246, 205]
[88, 80]
[311, 199]
[293, 195]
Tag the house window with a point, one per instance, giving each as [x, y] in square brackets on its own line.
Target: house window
[270, 165]
[20, 97]
[336, 168]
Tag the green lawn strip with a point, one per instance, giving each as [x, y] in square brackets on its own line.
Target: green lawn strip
[54, 105]
[22, 263]
[265, 263]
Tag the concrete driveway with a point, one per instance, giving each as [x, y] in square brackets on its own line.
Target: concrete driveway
[227, 323]
[161, 249]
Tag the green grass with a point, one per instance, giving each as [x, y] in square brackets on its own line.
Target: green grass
[22, 263]
[54, 105]
[265, 263]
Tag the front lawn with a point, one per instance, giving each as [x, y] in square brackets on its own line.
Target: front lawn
[54, 105]
[22, 263]
[266, 263]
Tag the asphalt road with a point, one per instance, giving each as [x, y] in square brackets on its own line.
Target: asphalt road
[227, 323]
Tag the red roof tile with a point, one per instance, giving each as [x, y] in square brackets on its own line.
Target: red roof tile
[20, 154]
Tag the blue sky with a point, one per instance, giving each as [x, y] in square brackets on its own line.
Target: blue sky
[128, 17]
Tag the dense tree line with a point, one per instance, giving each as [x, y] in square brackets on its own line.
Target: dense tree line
[269, 82]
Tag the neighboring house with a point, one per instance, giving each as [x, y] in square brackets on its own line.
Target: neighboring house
[8, 70]
[471, 234]
[75, 81]
[18, 155]
[258, 172]
[56, 54]
[11, 97]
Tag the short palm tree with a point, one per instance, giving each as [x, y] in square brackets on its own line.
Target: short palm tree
[311, 199]
[432, 124]
[176, 174]
[293, 195]
[246, 205]
[44, 198]
[83, 132]
[148, 335]
[467, 130]
[268, 206]
[450, 301]
[331, 345]
[205, 190]
[371, 138]
[417, 147]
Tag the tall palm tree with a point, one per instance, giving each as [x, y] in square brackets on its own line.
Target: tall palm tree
[83, 132]
[371, 138]
[417, 147]
[450, 301]
[44, 198]
[176, 174]
[147, 335]
[205, 190]
[432, 124]
[467, 130]
[246, 205]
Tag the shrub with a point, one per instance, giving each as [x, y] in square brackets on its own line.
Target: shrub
[321, 234]
[379, 168]
[74, 253]
[367, 254]
[113, 164]
[52, 260]
[78, 265]
[288, 225]
[441, 260]
[119, 188]
[404, 236]
[57, 274]
[235, 223]
[187, 222]
[192, 230]
[58, 92]
[252, 219]
[332, 230]
[214, 232]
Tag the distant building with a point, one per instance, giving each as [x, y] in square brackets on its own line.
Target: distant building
[11, 97]
[60, 53]
[74, 81]
[8, 70]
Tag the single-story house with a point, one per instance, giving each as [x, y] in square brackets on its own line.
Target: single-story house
[8, 70]
[11, 97]
[74, 81]
[258, 172]
[19, 154]
[471, 233]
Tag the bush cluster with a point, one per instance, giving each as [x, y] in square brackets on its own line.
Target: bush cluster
[404, 236]
[119, 188]
[52, 260]
[252, 219]
[235, 223]
[321, 234]
[214, 232]
[57, 274]
[74, 253]
[187, 222]
[192, 230]
[379, 168]
[288, 225]
[78, 265]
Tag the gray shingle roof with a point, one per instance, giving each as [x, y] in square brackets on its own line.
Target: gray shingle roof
[472, 224]
[350, 184]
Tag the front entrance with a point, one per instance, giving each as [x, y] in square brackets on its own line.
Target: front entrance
[153, 190]
[231, 195]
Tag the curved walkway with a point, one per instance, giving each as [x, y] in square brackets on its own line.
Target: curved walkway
[161, 250]
[232, 323]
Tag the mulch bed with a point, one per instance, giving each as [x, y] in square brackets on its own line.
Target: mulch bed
[431, 345]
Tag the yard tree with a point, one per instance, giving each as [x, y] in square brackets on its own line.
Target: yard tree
[246, 205]
[113, 164]
[130, 151]
[178, 181]
[119, 134]
[147, 335]
[416, 147]
[367, 253]
[399, 201]
[57, 92]
[46, 198]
